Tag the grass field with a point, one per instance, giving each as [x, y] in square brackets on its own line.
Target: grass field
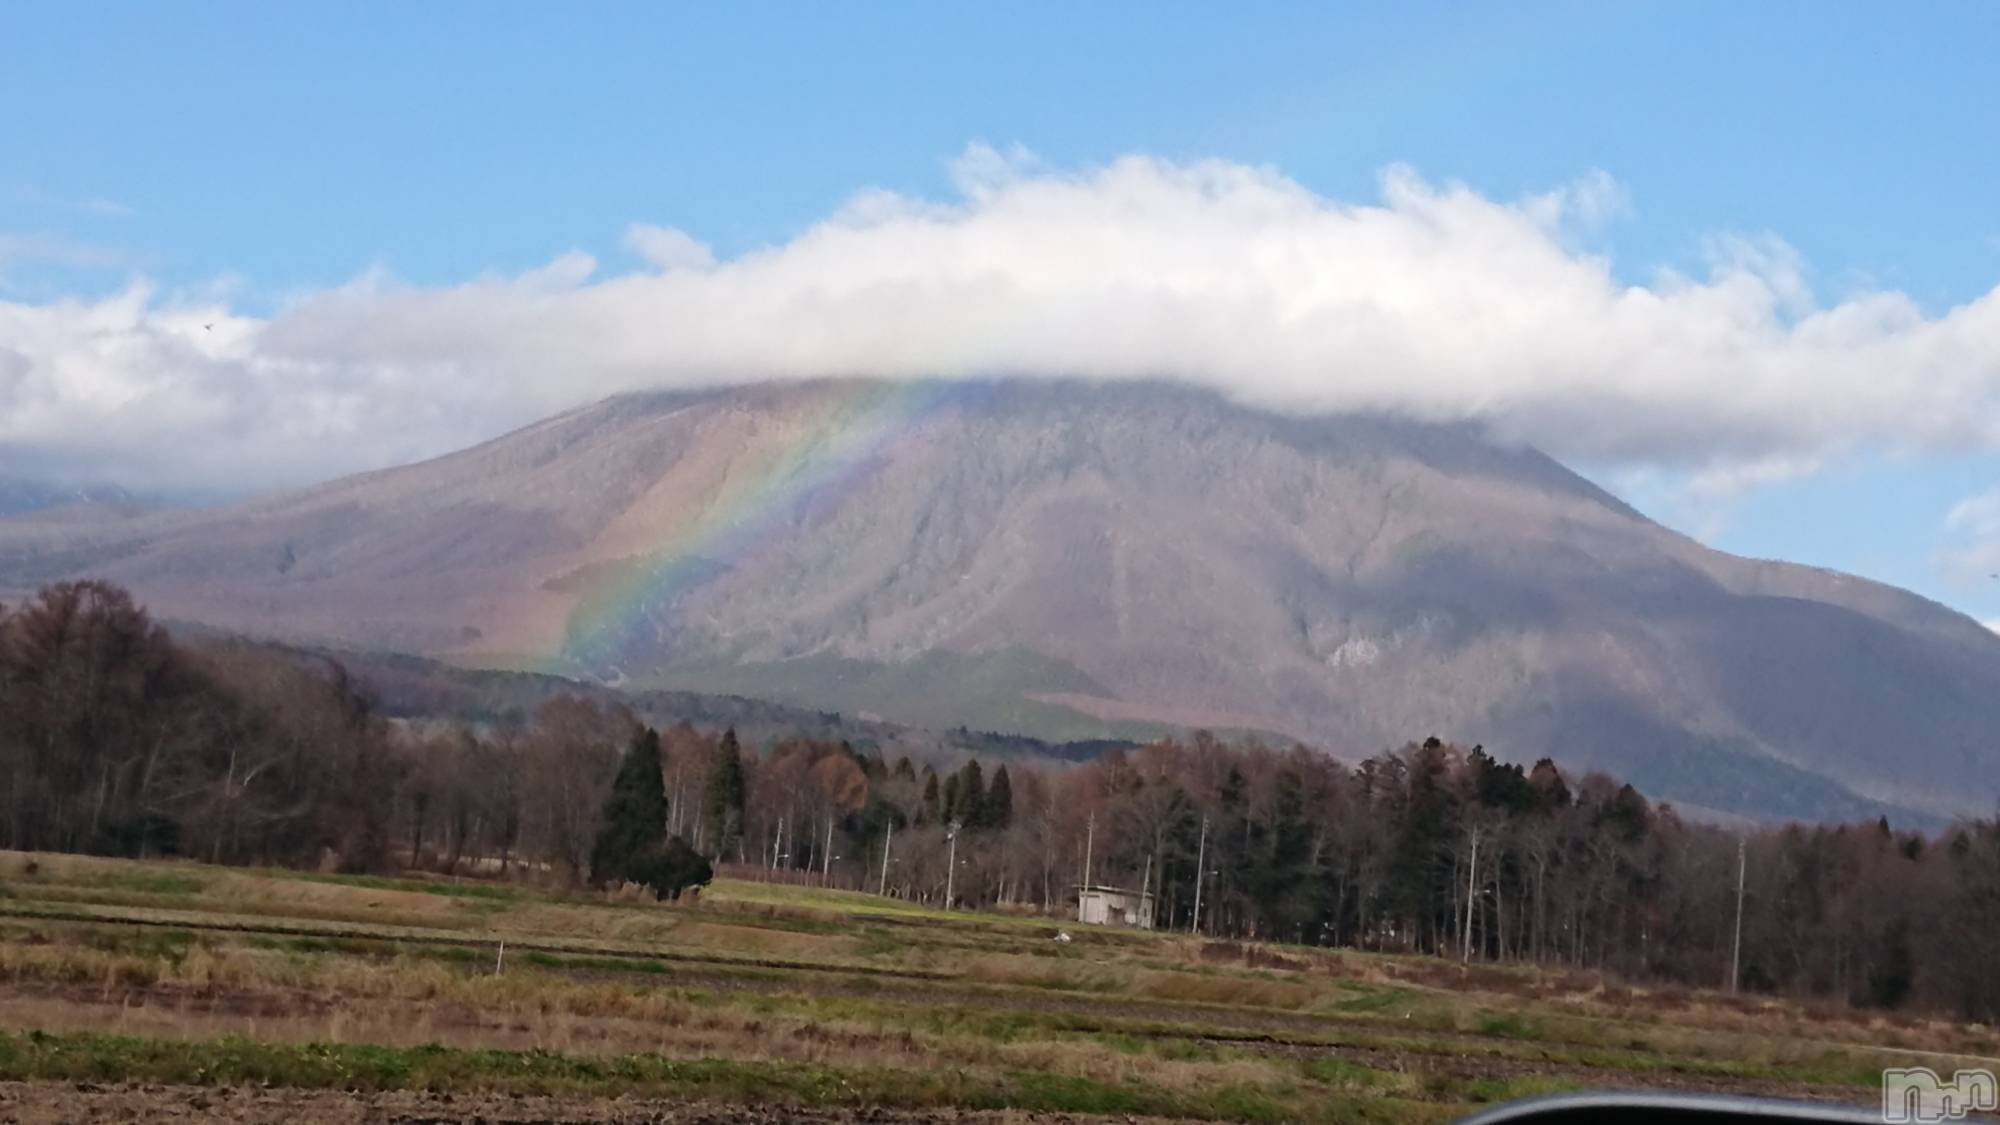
[176, 982]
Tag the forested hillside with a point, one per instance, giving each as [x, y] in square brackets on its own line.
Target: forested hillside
[116, 740]
[418, 689]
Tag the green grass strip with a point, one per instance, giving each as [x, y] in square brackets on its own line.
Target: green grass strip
[349, 1066]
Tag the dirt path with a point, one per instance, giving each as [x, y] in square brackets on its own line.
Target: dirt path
[51, 1103]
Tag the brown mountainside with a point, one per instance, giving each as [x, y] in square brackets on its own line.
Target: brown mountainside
[1069, 559]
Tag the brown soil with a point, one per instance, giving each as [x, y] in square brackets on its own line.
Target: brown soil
[1432, 1065]
[50, 1103]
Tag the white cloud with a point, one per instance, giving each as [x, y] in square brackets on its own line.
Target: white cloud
[1433, 301]
[17, 247]
[1590, 201]
[1703, 503]
[1971, 554]
[1976, 515]
[665, 248]
[166, 394]
[97, 206]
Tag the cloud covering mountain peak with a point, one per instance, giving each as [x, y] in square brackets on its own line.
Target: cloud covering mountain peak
[1433, 301]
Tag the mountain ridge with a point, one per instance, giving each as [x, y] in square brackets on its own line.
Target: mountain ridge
[1142, 551]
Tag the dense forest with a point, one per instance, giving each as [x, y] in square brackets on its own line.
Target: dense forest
[116, 739]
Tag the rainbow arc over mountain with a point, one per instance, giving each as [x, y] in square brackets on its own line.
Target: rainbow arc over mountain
[847, 432]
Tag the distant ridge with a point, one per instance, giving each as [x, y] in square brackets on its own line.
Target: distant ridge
[22, 494]
[408, 687]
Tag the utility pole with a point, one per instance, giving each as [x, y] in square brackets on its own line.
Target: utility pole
[1736, 946]
[887, 837]
[826, 856]
[1200, 865]
[1146, 891]
[1471, 874]
[951, 863]
[674, 806]
[1089, 838]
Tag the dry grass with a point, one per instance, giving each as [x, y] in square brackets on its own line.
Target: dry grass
[796, 975]
[1282, 995]
[290, 999]
[1071, 975]
[830, 948]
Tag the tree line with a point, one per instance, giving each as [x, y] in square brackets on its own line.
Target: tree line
[115, 739]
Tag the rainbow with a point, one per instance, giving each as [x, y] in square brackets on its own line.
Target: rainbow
[845, 435]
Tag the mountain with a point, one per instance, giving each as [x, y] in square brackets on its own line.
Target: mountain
[1074, 559]
[417, 690]
[26, 494]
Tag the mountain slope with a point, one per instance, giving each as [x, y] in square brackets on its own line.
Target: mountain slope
[1053, 557]
[22, 494]
[416, 690]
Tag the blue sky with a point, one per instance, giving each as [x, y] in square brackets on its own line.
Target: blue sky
[246, 157]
